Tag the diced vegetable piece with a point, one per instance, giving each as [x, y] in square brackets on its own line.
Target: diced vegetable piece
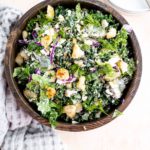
[70, 110]
[81, 83]
[123, 66]
[78, 107]
[46, 40]
[51, 92]
[24, 55]
[24, 34]
[19, 60]
[30, 95]
[50, 12]
[62, 74]
[77, 52]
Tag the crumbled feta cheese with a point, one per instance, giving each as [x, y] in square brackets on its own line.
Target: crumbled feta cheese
[104, 23]
[122, 84]
[115, 88]
[88, 42]
[49, 31]
[112, 33]
[59, 82]
[109, 92]
[95, 31]
[69, 12]
[69, 93]
[61, 41]
[84, 98]
[37, 28]
[57, 26]
[44, 52]
[78, 27]
[61, 18]
[79, 63]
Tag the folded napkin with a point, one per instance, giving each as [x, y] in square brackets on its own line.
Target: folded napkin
[18, 131]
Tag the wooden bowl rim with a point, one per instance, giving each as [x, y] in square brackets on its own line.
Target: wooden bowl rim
[66, 126]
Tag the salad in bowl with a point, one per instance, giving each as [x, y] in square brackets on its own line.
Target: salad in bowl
[74, 64]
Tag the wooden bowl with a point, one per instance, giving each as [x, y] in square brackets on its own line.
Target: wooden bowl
[12, 50]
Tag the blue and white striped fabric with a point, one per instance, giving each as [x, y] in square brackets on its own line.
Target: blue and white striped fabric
[18, 131]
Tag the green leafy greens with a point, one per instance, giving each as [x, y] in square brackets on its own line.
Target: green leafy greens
[74, 67]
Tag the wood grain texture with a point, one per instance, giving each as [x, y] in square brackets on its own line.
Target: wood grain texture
[12, 50]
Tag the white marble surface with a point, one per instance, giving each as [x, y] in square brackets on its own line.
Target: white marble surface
[131, 131]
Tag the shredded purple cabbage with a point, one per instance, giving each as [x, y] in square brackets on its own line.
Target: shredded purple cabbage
[38, 43]
[37, 71]
[93, 69]
[34, 34]
[52, 53]
[116, 68]
[23, 42]
[30, 78]
[95, 43]
[69, 80]
[123, 100]
[128, 28]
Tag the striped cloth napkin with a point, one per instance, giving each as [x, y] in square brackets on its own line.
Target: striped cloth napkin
[18, 131]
